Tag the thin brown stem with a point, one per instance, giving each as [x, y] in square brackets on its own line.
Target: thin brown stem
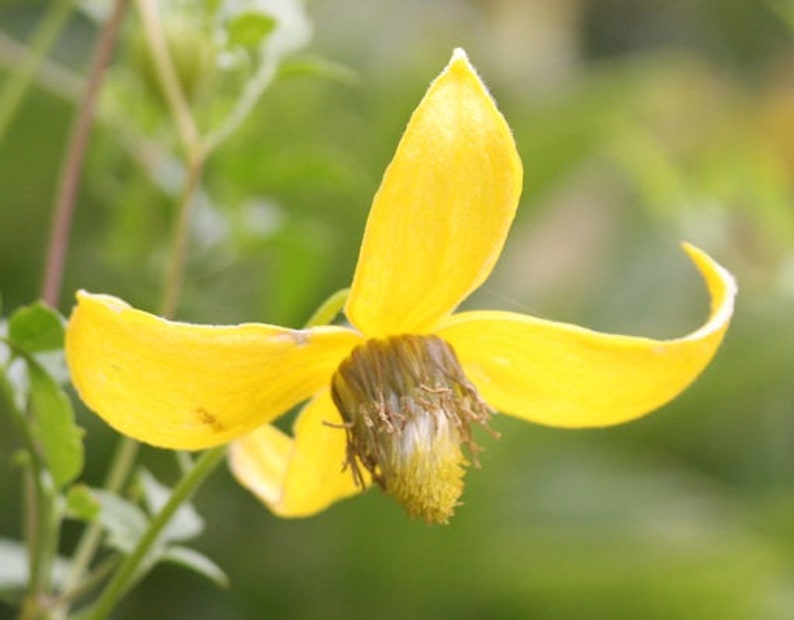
[63, 211]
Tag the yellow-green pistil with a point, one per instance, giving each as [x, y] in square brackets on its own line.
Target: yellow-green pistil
[408, 408]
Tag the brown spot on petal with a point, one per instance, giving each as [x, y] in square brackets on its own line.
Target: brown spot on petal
[207, 418]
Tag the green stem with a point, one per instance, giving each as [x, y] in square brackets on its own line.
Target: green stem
[166, 74]
[39, 503]
[123, 461]
[41, 41]
[43, 545]
[245, 103]
[49, 537]
[172, 289]
[61, 603]
[329, 309]
[191, 143]
[128, 570]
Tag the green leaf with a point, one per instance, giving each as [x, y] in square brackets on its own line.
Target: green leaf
[316, 67]
[249, 29]
[82, 503]
[186, 522]
[36, 328]
[274, 28]
[61, 439]
[197, 562]
[123, 520]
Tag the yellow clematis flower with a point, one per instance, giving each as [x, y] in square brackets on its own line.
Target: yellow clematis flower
[394, 397]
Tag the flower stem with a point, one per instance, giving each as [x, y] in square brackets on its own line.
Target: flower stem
[128, 570]
[41, 41]
[63, 210]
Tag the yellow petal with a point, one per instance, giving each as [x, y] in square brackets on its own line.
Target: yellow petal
[186, 386]
[568, 376]
[296, 477]
[443, 210]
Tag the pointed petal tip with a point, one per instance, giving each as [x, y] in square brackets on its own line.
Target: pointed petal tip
[442, 211]
[459, 55]
[459, 61]
[109, 301]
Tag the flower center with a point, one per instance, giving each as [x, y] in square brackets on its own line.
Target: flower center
[407, 409]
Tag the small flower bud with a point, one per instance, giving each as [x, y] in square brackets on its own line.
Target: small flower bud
[192, 52]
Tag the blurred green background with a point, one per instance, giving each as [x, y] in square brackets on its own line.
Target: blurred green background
[640, 124]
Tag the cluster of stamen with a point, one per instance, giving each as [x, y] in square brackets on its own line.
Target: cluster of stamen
[407, 409]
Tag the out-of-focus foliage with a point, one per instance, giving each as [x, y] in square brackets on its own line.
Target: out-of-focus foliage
[640, 125]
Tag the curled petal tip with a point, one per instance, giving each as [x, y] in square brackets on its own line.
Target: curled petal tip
[722, 289]
[568, 376]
